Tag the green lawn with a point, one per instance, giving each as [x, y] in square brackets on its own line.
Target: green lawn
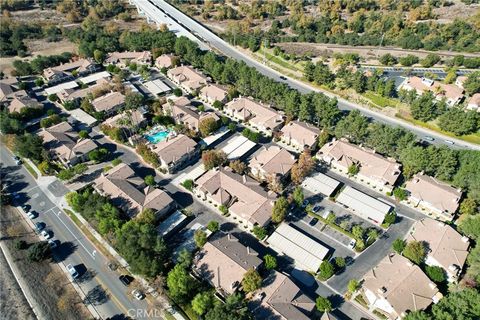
[278, 60]
[379, 100]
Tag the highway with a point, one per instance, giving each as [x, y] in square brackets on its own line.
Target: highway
[74, 247]
[160, 11]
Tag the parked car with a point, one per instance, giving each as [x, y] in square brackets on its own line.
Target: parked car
[18, 162]
[305, 203]
[46, 234]
[15, 158]
[73, 271]
[449, 142]
[283, 77]
[53, 243]
[39, 226]
[352, 243]
[313, 222]
[316, 208]
[126, 279]
[428, 138]
[25, 208]
[138, 294]
[32, 214]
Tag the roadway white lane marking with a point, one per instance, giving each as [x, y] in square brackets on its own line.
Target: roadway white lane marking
[93, 253]
[74, 236]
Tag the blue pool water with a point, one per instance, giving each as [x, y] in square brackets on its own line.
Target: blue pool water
[158, 136]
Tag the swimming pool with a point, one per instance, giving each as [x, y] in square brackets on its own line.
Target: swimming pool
[157, 136]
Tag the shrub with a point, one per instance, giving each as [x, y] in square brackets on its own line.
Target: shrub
[323, 304]
[223, 209]
[400, 194]
[213, 226]
[270, 262]
[340, 262]
[188, 184]
[177, 92]
[326, 271]
[52, 97]
[21, 245]
[116, 161]
[415, 251]
[399, 245]
[259, 232]
[39, 251]
[436, 274]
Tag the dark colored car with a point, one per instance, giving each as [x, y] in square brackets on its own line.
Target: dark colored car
[313, 222]
[39, 226]
[125, 279]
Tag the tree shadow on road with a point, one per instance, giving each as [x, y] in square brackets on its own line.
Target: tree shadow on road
[96, 296]
[64, 250]
[85, 274]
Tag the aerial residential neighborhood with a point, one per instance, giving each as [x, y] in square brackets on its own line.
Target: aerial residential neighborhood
[225, 160]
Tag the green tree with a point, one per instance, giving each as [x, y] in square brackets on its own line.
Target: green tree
[353, 170]
[150, 180]
[188, 184]
[353, 285]
[399, 245]
[208, 126]
[408, 60]
[83, 134]
[400, 194]
[472, 84]
[234, 308]
[238, 166]
[354, 127]
[415, 251]
[326, 270]
[280, 209]
[251, 280]
[180, 284]
[29, 146]
[430, 60]
[322, 74]
[323, 304]
[470, 226]
[340, 262]
[424, 108]
[39, 251]
[177, 92]
[388, 60]
[473, 260]
[358, 232]
[259, 232]
[270, 262]
[202, 302]
[200, 238]
[213, 158]
[133, 101]
[298, 196]
[213, 226]
[436, 274]
[39, 82]
[463, 304]
[418, 315]
[469, 206]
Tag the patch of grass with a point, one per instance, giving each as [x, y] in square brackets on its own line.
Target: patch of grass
[168, 316]
[278, 60]
[379, 100]
[30, 169]
[359, 298]
[379, 314]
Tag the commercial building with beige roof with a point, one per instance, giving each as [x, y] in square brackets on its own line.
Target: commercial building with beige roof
[175, 152]
[452, 93]
[447, 248]
[223, 261]
[375, 171]
[396, 286]
[124, 58]
[109, 103]
[433, 197]
[65, 144]
[270, 162]
[300, 135]
[165, 61]
[186, 114]
[280, 298]
[212, 92]
[187, 78]
[130, 193]
[474, 102]
[243, 196]
[260, 117]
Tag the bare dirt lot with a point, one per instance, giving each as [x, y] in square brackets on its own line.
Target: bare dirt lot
[13, 304]
[51, 289]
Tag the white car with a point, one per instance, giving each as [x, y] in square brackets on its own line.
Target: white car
[32, 215]
[138, 294]
[352, 244]
[46, 234]
[73, 272]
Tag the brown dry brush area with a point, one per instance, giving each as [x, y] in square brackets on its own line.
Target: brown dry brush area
[53, 292]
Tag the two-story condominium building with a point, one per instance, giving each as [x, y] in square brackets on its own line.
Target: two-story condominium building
[223, 261]
[452, 93]
[185, 114]
[212, 92]
[20, 100]
[75, 96]
[175, 152]
[396, 286]
[130, 193]
[270, 162]
[122, 59]
[446, 247]
[165, 61]
[65, 144]
[243, 196]
[261, 117]
[300, 135]
[187, 78]
[280, 298]
[375, 170]
[64, 71]
[129, 119]
[432, 196]
[109, 103]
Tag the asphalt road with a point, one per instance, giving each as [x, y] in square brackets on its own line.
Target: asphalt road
[162, 12]
[74, 247]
